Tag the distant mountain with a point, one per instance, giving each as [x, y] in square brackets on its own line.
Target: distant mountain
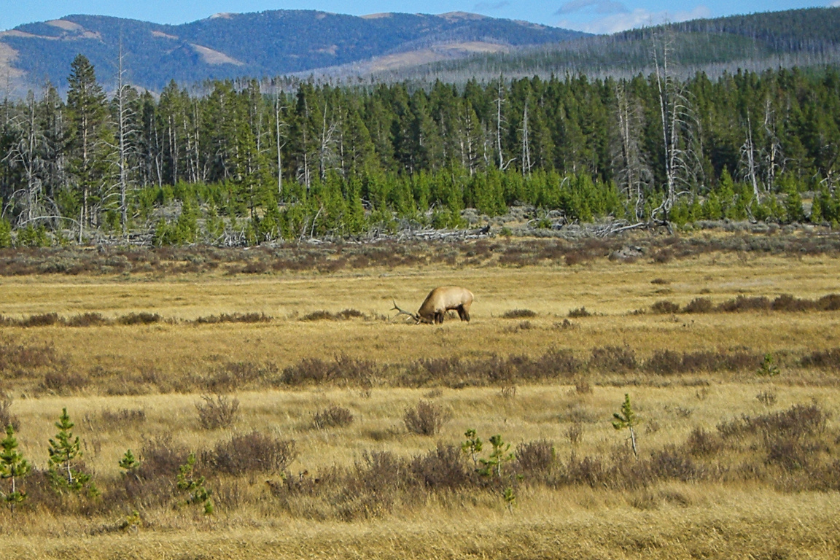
[804, 38]
[257, 45]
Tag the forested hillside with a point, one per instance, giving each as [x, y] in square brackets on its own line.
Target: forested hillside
[241, 164]
[807, 37]
[261, 44]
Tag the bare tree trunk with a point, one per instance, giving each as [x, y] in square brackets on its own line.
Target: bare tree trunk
[526, 150]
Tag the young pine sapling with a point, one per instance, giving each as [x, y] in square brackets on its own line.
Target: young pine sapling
[189, 482]
[626, 419]
[64, 450]
[13, 467]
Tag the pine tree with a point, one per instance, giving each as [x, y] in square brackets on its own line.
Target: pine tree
[64, 451]
[13, 467]
[626, 418]
[87, 109]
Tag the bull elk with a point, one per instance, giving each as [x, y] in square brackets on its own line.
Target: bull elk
[439, 301]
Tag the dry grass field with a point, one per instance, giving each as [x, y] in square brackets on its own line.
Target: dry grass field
[738, 457]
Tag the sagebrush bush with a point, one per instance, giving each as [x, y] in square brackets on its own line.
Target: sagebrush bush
[160, 457]
[535, 457]
[251, 453]
[443, 467]
[332, 417]
[699, 305]
[519, 314]
[665, 307]
[123, 416]
[6, 416]
[426, 418]
[613, 359]
[219, 413]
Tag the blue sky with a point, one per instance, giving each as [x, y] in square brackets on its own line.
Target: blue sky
[596, 16]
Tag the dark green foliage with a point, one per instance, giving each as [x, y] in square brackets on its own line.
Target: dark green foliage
[129, 463]
[65, 451]
[626, 419]
[190, 483]
[13, 467]
[5, 233]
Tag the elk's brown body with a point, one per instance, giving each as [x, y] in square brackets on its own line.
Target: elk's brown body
[443, 299]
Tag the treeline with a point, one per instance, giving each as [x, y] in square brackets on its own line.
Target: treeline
[246, 162]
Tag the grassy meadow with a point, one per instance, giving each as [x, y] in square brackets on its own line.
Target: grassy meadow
[737, 401]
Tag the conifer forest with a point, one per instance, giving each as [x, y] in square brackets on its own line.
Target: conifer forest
[246, 162]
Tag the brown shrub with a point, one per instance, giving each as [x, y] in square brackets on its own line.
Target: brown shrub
[161, 458]
[822, 359]
[123, 416]
[831, 302]
[742, 303]
[6, 416]
[426, 418]
[664, 255]
[613, 359]
[444, 467]
[535, 457]
[251, 453]
[219, 413]
[670, 464]
[234, 375]
[518, 314]
[44, 320]
[579, 312]
[87, 320]
[235, 318]
[140, 319]
[332, 417]
[665, 307]
[798, 421]
[589, 471]
[789, 453]
[701, 443]
[60, 381]
[699, 305]
[18, 359]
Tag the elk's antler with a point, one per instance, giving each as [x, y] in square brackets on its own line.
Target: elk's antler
[404, 312]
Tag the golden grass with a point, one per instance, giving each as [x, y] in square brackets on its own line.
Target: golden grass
[670, 520]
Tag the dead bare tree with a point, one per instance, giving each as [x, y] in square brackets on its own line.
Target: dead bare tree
[26, 153]
[500, 99]
[124, 130]
[681, 146]
[632, 172]
[526, 149]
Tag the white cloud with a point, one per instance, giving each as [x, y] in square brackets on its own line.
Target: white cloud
[601, 7]
[835, 4]
[637, 18]
[492, 6]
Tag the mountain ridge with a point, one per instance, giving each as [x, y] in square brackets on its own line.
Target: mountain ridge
[269, 43]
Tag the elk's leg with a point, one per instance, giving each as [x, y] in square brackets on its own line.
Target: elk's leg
[439, 317]
[462, 313]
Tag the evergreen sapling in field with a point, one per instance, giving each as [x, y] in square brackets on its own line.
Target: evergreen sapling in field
[13, 467]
